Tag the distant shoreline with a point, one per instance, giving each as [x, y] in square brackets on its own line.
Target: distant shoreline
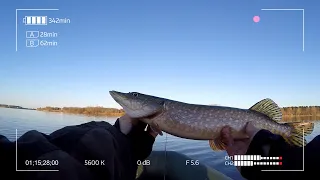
[88, 115]
[289, 113]
[87, 111]
[14, 107]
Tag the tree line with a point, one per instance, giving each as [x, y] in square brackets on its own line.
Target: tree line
[301, 111]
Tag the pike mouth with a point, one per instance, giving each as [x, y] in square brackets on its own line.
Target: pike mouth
[118, 97]
[121, 99]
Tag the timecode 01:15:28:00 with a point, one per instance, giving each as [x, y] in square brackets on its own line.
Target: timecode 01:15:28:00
[41, 162]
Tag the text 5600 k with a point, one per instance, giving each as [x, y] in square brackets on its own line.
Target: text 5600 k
[94, 162]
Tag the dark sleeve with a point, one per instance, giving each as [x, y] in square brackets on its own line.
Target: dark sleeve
[101, 142]
[141, 141]
[30, 156]
[267, 144]
[7, 160]
[75, 149]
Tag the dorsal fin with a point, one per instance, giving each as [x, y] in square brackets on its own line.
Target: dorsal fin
[268, 108]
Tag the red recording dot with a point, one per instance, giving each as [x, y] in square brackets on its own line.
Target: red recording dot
[280, 157]
[280, 163]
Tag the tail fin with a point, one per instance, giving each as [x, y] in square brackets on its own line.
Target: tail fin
[298, 130]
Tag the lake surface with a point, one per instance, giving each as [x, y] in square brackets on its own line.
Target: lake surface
[25, 120]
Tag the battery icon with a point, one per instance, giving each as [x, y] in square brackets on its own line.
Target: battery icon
[35, 20]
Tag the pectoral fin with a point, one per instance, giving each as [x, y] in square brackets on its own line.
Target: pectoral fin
[217, 144]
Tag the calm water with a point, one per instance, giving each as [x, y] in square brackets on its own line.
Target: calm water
[25, 120]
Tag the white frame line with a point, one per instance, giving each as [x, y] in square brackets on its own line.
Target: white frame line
[302, 20]
[17, 160]
[27, 10]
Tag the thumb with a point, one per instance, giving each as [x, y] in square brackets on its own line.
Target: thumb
[228, 140]
[250, 129]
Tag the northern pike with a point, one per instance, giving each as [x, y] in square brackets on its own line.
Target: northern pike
[204, 122]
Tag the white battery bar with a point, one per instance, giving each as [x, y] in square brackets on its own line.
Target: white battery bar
[28, 20]
[44, 19]
[39, 20]
[35, 20]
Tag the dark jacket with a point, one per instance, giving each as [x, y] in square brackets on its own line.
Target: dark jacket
[90, 151]
[292, 158]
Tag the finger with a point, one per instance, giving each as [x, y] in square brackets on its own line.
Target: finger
[226, 137]
[153, 133]
[242, 146]
[230, 150]
[238, 147]
[156, 129]
[225, 133]
[225, 130]
[251, 130]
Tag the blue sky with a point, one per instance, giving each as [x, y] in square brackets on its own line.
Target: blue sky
[206, 52]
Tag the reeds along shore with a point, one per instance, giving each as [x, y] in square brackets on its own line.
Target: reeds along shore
[89, 111]
[301, 113]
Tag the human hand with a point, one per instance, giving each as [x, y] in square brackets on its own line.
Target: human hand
[140, 134]
[127, 124]
[238, 146]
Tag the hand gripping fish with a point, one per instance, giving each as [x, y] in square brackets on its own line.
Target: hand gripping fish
[204, 122]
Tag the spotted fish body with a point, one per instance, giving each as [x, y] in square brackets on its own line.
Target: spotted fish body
[202, 122]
